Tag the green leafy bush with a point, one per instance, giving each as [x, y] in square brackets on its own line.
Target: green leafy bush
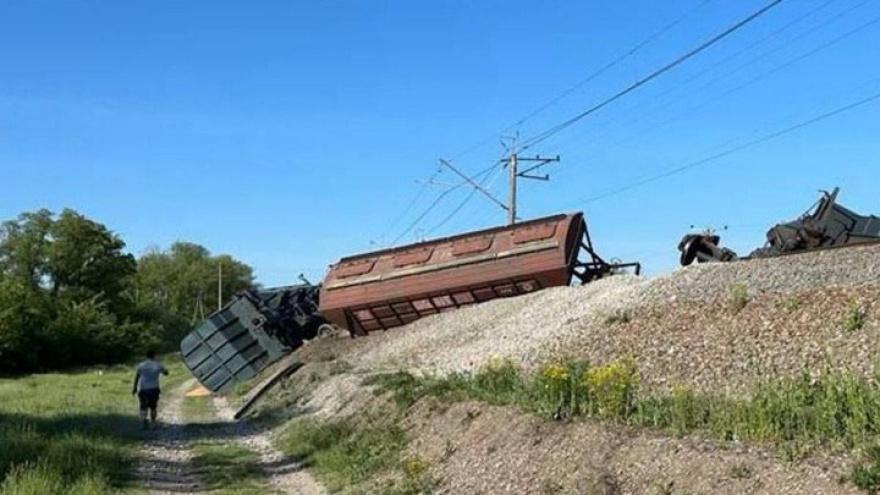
[739, 297]
[795, 413]
[559, 388]
[342, 453]
[856, 316]
[500, 381]
[71, 296]
[866, 472]
[618, 317]
[612, 389]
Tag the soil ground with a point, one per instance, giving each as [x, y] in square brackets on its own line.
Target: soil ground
[170, 456]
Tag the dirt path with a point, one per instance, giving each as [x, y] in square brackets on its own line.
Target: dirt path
[287, 476]
[167, 466]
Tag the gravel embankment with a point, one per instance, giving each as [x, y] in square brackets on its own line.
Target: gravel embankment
[479, 449]
[681, 328]
[785, 274]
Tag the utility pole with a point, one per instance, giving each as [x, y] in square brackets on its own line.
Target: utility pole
[511, 188]
[512, 162]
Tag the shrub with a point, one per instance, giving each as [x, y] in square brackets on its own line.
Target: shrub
[559, 388]
[740, 471]
[344, 453]
[790, 304]
[618, 316]
[612, 389]
[796, 414]
[306, 437]
[684, 410]
[499, 381]
[855, 317]
[415, 467]
[866, 472]
[739, 297]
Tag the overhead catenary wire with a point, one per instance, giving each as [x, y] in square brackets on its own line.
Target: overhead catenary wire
[542, 136]
[812, 51]
[608, 66]
[488, 179]
[415, 199]
[436, 202]
[586, 80]
[556, 99]
[683, 85]
[763, 75]
[532, 142]
[748, 144]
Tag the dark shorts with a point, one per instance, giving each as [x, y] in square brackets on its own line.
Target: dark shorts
[149, 399]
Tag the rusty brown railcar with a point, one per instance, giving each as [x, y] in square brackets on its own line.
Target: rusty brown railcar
[393, 287]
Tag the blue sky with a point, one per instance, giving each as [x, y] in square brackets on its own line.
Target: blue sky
[289, 134]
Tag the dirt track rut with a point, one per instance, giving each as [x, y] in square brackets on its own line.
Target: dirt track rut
[167, 466]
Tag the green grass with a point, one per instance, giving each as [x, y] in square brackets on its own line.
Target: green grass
[343, 454]
[838, 411]
[739, 297]
[226, 467]
[198, 409]
[866, 472]
[855, 318]
[70, 433]
[230, 468]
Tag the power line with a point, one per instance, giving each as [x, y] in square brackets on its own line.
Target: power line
[583, 82]
[666, 68]
[473, 184]
[616, 61]
[767, 73]
[735, 149]
[682, 85]
[487, 179]
[421, 191]
[436, 201]
[620, 58]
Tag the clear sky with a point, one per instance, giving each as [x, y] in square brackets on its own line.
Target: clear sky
[289, 134]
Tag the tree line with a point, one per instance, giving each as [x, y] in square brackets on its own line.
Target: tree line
[70, 295]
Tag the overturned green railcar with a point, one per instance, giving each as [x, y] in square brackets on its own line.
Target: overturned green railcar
[255, 329]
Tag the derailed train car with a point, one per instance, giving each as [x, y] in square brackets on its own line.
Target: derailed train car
[827, 224]
[389, 288]
[393, 287]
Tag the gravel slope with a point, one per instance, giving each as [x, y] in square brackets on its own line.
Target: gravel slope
[682, 328]
[479, 449]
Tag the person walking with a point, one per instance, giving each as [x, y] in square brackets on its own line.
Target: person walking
[146, 386]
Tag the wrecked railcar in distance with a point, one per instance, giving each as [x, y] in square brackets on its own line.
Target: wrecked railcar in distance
[826, 224]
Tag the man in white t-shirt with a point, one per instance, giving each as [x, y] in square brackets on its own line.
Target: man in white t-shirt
[146, 386]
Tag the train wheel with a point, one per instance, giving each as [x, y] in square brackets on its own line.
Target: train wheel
[690, 249]
[326, 330]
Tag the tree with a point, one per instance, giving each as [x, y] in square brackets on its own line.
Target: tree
[85, 260]
[23, 312]
[66, 294]
[23, 247]
[70, 295]
[184, 279]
